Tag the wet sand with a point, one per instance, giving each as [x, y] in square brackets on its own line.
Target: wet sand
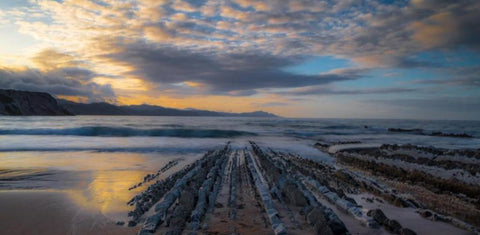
[73, 192]
[251, 190]
[47, 212]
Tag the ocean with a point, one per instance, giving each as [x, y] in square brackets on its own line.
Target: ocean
[153, 134]
[95, 159]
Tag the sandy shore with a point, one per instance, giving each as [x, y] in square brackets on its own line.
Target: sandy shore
[252, 190]
[45, 212]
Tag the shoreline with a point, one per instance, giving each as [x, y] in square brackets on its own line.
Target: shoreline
[51, 212]
[246, 187]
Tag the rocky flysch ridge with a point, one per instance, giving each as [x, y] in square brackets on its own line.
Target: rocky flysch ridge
[258, 191]
[434, 133]
[441, 184]
[17, 103]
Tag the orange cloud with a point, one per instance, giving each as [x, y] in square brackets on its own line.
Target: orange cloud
[78, 99]
[436, 30]
[50, 59]
[227, 11]
[157, 34]
[257, 5]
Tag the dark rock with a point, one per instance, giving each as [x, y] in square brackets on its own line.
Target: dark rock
[393, 226]
[337, 227]
[322, 146]
[174, 232]
[441, 134]
[17, 103]
[120, 223]
[406, 231]
[321, 226]
[187, 197]
[414, 203]
[378, 216]
[405, 130]
[132, 223]
[317, 219]
[294, 195]
[305, 210]
[186, 203]
[425, 213]
[378, 200]
[340, 193]
[350, 200]
[400, 202]
[341, 175]
[314, 215]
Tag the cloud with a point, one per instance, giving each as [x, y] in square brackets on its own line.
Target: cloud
[328, 90]
[50, 59]
[273, 104]
[457, 76]
[221, 72]
[59, 74]
[461, 108]
[372, 33]
[449, 24]
[394, 33]
[240, 48]
[158, 34]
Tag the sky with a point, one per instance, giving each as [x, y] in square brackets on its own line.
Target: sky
[417, 59]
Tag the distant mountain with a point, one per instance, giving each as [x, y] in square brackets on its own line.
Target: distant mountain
[18, 103]
[103, 108]
[27, 103]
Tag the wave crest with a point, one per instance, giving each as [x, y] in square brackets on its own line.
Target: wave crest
[126, 132]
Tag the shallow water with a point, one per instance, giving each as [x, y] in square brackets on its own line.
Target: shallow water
[95, 159]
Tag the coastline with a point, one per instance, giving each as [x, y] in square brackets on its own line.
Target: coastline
[51, 212]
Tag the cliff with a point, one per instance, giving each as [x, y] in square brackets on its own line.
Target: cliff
[27, 103]
[18, 103]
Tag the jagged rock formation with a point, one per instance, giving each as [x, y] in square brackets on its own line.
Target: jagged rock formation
[17, 103]
[235, 191]
[260, 191]
[446, 181]
[457, 135]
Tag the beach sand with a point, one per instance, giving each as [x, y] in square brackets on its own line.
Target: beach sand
[73, 192]
[48, 212]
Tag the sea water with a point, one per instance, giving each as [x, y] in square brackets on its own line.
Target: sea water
[95, 159]
[192, 134]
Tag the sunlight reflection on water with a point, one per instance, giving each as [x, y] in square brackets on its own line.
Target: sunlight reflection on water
[97, 182]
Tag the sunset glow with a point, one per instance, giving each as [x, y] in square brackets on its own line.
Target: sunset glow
[350, 59]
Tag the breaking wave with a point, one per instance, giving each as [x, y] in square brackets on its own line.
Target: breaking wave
[126, 132]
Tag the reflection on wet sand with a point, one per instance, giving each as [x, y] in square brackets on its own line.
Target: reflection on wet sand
[50, 212]
[94, 183]
[79, 161]
[107, 192]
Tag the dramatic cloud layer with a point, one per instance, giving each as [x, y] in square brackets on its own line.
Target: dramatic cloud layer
[220, 72]
[62, 82]
[183, 52]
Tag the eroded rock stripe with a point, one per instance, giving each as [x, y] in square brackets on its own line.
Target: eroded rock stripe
[262, 191]
[150, 177]
[176, 191]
